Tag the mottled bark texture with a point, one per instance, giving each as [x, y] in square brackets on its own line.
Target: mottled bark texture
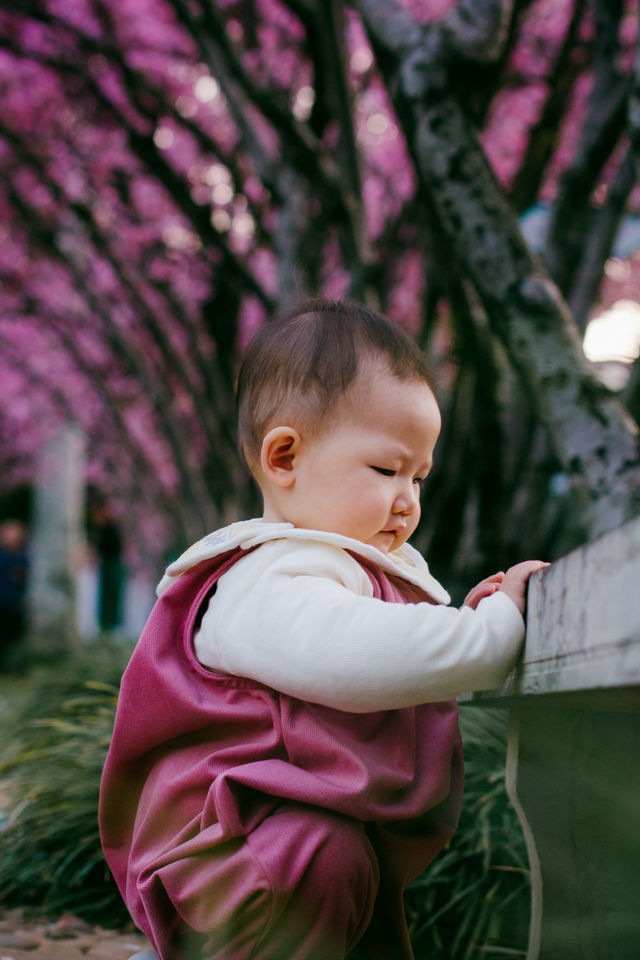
[593, 436]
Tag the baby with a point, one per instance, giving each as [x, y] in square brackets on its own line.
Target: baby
[286, 755]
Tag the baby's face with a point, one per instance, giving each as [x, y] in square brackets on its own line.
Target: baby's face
[361, 475]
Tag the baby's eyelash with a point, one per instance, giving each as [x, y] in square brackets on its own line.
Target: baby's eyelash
[384, 471]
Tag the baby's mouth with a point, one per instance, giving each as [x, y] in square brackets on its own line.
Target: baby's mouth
[390, 536]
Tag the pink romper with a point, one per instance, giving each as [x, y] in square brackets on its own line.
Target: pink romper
[241, 823]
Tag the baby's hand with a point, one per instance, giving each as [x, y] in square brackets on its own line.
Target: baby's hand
[515, 579]
[483, 589]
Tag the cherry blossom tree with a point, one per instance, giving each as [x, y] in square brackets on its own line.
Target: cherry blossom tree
[175, 170]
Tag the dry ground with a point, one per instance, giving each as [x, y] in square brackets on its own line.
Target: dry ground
[67, 939]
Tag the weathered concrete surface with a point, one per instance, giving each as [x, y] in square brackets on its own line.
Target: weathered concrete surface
[583, 623]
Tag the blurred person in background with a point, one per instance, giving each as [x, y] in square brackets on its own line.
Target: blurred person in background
[13, 583]
[104, 537]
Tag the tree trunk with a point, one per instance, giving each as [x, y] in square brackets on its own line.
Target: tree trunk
[592, 434]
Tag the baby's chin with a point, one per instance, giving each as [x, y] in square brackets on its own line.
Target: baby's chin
[385, 542]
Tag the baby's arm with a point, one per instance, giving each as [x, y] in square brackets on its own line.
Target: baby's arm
[302, 621]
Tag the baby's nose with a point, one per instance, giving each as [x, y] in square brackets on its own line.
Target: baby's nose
[407, 499]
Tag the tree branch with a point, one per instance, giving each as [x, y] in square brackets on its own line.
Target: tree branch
[599, 242]
[631, 393]
[211, 37]
[633, 110]
[601, 130]
[543, 135]
[325, 31]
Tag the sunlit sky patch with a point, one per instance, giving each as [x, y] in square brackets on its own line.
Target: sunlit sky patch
[615, 334]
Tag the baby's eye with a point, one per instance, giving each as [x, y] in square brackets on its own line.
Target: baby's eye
[384, 471]
[419, 480]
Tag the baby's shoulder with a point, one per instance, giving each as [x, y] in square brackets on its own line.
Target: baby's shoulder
[292, 557]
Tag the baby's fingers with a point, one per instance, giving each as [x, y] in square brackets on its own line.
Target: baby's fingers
[494, 578]
[483, 589]
[524, 570]
[515, 581]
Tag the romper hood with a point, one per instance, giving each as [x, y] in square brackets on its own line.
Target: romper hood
[404, 562]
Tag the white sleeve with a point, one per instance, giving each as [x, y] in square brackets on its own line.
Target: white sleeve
[305, 626]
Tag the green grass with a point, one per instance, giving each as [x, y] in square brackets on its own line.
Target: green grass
[473, 901]
[471, 904]
[56, 727]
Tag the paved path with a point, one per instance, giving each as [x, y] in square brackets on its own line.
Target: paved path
[67, 939]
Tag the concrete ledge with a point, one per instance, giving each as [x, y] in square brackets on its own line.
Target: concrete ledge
[583, 622]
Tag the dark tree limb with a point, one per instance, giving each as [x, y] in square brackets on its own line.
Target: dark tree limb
[603, 125]
[447, 490]
[599, 242]
[325, 36]
[633, 109]
[477, 29]
[478, 347]
[544, 134]
[631, 394]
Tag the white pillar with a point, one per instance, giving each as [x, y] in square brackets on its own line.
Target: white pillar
[57, 541]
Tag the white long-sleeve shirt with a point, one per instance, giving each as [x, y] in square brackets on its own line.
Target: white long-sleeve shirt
[299, 615]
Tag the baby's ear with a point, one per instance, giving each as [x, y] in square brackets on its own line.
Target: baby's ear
[278, 453]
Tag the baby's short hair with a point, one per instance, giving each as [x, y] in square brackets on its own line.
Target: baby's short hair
[300, 363]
